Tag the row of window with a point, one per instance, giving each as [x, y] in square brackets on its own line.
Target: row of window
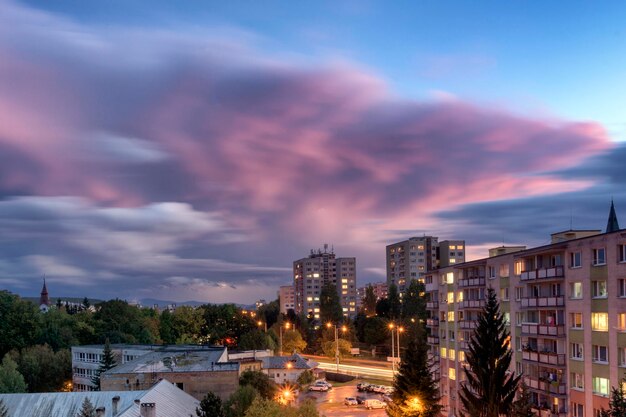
[87, 357]
[85, 373]
[599, 353]
[600, 386]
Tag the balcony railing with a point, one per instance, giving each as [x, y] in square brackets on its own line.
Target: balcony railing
[551, 387]
[534, 302]
[433, 340]
[472, 282]
[432, 304]
[432, 322]
[543, 329]
[472, 304]
[549, 358]
[467, 324]
[543, 273]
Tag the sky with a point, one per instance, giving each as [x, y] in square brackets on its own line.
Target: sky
[194, 150]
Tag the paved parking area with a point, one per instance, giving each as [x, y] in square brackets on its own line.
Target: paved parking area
[330, 403]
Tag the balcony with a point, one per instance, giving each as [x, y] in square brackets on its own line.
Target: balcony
[432, 322]
[548, 358]
[543, 329]
[538, 302]
[432, 304]
[463, 345]
[472, 282]
[546, 386]
[467, 324]
[472, 304]
[556, 272]
[433, 340]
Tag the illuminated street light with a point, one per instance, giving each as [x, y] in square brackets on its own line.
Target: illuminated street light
[281, 337]
[261, 323]
[393, 352]
[343, 329]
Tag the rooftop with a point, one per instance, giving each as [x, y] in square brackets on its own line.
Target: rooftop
[282, 362]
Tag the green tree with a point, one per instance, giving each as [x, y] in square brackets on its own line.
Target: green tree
[330, 305]
[393, 297]
[43, 369]
[225, 324]
[293, 342]
[383, 308]
[617, 403]
[58, 329]
[368, 305]
[262, 407]
[20, 323]
[4, 411]
[415, 391]
[210, 406]
[330, 348]
[11, 381]
[187, 324]
[414, 301]
[107, 362]
[305, 378]
[256, 340]
[523, 405]
[240, 400]
[86, 302]
[489, 389]
[87, 409]
[120, 323]
[166, 328]
[259, 381]
[375, 331]
[269, 313]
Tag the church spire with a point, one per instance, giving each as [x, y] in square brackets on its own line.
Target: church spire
[43, 299]
[612, 225]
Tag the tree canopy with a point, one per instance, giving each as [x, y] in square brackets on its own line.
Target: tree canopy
[210, 406]
[330, 305]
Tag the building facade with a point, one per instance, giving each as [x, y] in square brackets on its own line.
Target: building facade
[565, 304]
[412, 258]
[287, 297]
[320, 267]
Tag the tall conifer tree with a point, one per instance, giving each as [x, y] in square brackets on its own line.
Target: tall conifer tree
[490, 389]
[107, 362]
[415, 391]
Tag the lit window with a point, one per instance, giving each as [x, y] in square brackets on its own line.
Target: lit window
[504, 294]
[452, 354]
[452, 373]
[599, 256]
[576, 320]
[519, 265]
[451, 297]
[461, 356]
[450, 315]
[450, 278]
[309, 298]
[575, 260]
[452, 261]
[459, 247]
[459, 297]
[600, 322]
[576, 290]
[444, 352]
[600, 386]
[504, 270]
[621, 321]
[316, 275]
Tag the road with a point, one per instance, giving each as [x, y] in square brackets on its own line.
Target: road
[357, 367]
[331, 403]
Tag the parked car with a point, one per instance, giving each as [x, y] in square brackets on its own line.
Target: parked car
[350, 401]
[324, 382]
[372, 404]
[379, 389]
[386, 398]
[360, 399]
[320, 387]
[388, 390]
[362, 386]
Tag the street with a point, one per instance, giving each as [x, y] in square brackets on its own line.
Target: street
[330, 403]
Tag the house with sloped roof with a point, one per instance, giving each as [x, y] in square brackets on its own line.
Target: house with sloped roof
[162, 400]
[283, 369]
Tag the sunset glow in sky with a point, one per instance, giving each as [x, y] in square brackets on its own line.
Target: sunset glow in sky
[192, 153]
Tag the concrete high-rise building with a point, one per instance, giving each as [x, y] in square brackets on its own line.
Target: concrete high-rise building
[565, 304]
[286, 295]
[320, 267]
[413, 257]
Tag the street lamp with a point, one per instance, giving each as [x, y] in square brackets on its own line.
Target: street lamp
[343, 329]
[393, 352]
[281, 337]
[399, 330]
[260, 323]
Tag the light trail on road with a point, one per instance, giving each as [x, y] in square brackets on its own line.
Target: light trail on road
[364, 371]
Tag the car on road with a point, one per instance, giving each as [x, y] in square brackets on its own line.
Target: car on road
[350, 401]
[324, 382]
[373, 404]
[320, 387]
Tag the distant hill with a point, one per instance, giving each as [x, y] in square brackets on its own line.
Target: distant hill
[149, 302]
[53, 300]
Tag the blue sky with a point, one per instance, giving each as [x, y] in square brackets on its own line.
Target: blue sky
[195, 149]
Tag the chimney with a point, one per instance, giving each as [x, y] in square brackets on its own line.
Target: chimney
[116, 402]
[100, 412]
[148, 410]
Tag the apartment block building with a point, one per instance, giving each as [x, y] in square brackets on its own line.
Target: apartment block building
[287, 297]
[320, 267]
[565, 304]
[413, 257]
